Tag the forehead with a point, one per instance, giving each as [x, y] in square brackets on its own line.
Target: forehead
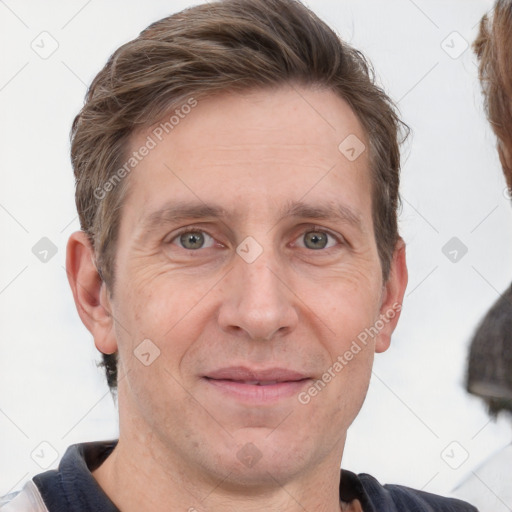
[263, 147]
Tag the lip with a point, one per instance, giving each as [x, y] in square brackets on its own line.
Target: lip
[242, 373]
[257, 386]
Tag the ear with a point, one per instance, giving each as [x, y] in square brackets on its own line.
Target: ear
[392, 297]
[90, 292]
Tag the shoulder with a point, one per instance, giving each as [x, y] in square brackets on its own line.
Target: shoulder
[398, 498]
[27, 500]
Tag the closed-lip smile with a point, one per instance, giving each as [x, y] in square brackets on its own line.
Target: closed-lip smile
[251, 385]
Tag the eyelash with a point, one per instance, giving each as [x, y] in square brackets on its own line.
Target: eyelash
[189, 229]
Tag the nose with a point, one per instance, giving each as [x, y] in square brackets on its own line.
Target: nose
[257, 302]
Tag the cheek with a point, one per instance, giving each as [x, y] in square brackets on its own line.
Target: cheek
[350, 313]
[156, 324]
[158, 303]
[332, 402]
[352, 390]
[345, 306]
[352, 372]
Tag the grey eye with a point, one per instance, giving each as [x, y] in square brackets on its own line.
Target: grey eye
[316, 240]
[192, 240]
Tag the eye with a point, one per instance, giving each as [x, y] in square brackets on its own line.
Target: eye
[193, 240]
[317, 240]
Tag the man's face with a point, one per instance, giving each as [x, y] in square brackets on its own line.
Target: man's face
[247, 256]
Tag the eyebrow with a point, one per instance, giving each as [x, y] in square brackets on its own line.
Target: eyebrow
[179, 211]
[176, 212]
[330, 210]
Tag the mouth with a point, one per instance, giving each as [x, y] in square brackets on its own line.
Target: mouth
[257, 386]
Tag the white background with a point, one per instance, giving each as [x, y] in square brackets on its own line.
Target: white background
[50, 388]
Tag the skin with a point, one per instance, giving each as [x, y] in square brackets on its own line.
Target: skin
[294, 307]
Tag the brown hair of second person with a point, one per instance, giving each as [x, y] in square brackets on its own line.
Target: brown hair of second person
[493, 47]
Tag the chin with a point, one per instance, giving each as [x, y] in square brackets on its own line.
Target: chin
[263, 457]
[264, 474]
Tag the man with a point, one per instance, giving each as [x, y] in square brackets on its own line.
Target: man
[239, 264]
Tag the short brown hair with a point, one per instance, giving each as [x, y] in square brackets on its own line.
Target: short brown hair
[227, 45]
[493, 47]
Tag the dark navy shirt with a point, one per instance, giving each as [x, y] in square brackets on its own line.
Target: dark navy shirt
[72, 488]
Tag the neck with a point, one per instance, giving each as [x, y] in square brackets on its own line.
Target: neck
[138, 477]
